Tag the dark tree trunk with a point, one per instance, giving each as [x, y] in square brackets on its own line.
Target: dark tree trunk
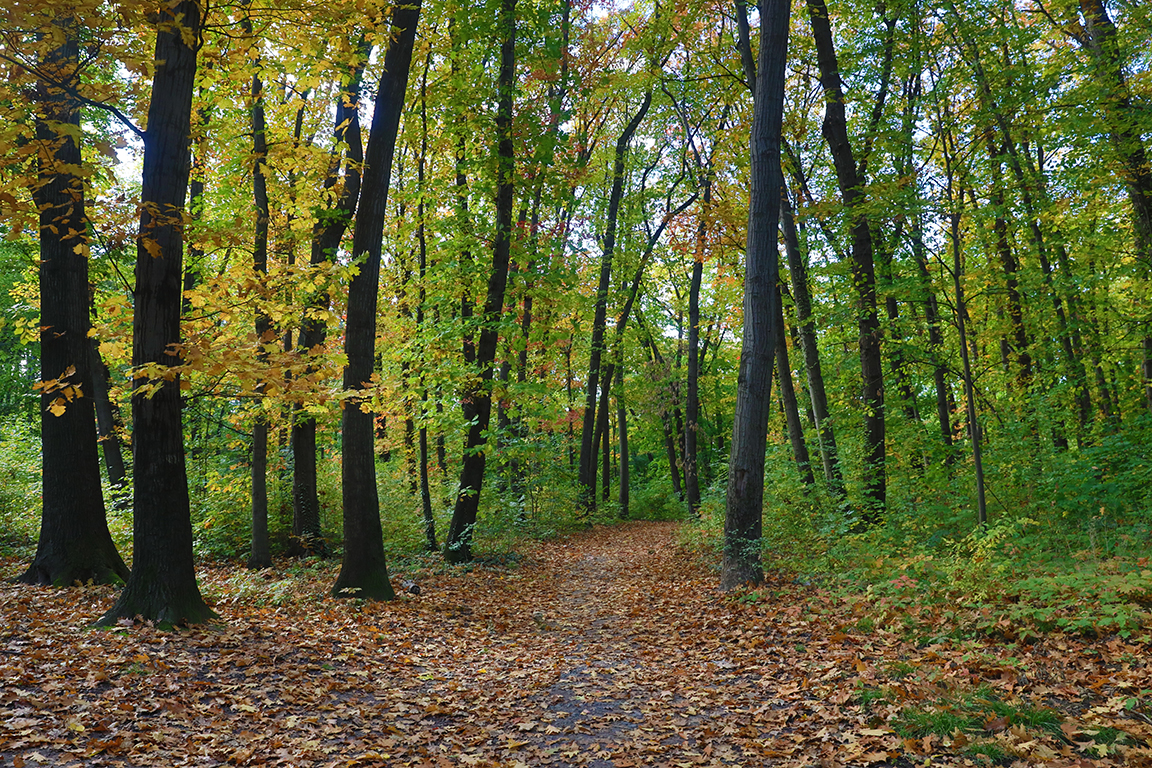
[622, 428]
[261, 555]
[969, 390]
[478, 401]
[162, 586]
[364, 571]
[1019, 341]
[788, 399]
[798, 272]
[745, 497]
[108, 424]
[74, 546]
[422, 263]
[935, 339]
[692, 401]
[587, 476]
[835, 128]
[307, 536]
[1100, 38]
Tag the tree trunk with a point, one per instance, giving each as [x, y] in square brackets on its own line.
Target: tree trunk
[969, 390]
[478, 401]
[364, 571]
[1121, 114]
[260, 556]
[74, 545]
[788, 398]
[622, 428]
[587, 476]
[745, 497]
[798, 272]
[107, 424]
[835, 128]
[162, 586]
[307, 535]
[692, 403]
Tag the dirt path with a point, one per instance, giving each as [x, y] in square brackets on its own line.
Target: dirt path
[610, 648]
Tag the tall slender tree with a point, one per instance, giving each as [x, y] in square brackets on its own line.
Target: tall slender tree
[478, 401]
[364, 571]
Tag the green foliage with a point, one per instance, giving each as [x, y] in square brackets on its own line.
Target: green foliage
[977, 711]
[19, 484]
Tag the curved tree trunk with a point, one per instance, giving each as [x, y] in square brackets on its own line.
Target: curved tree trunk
[587, 476]
[364, 571]
[851, 181]
[307, 536]
[798, 273]
[788, 399]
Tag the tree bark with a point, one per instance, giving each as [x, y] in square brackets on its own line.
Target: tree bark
[788, 399]
[162, 586]
[261, 555]
[798, 272]
[743, 516]
[307, 534]
[364, 571]
[74, 545]
[478, 401]
[835, 128]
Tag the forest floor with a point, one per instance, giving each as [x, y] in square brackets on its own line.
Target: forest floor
[607, 648]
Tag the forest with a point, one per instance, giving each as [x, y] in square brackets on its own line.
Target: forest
[353, 299]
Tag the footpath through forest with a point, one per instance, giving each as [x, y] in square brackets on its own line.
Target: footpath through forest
[611, 648]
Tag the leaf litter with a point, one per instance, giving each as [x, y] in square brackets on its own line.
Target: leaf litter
[608, 649]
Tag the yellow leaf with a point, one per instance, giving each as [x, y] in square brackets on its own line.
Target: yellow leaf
[57, 408]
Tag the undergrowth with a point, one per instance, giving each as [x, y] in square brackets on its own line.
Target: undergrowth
[1065, 548]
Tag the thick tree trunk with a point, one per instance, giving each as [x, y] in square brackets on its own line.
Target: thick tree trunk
[478, 401]
[74, 546]
[835, 128]
[364, 571]
[745, 498]
[587, 476]
[162, 586]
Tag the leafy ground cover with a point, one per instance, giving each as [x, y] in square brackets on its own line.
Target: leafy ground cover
[606, 648]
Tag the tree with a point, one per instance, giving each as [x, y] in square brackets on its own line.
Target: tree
[162, 586]
[587, 477]
[477, 404]
[851, 180]
[364, 572]
[742, 521]
[74, 545]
